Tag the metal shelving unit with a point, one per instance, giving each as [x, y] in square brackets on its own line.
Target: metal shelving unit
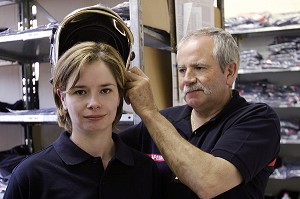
[33, 45]
[282, 76]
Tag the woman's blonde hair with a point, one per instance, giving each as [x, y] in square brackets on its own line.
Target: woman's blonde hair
[69, 65]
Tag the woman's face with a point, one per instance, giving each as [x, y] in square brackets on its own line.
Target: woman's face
[92, 103]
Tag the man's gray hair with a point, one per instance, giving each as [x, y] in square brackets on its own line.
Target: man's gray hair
[225, 49]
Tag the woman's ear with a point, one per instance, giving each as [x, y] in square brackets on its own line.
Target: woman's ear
[231, 73]
[62, 96]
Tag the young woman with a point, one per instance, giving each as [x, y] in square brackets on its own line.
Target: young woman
[88, 160]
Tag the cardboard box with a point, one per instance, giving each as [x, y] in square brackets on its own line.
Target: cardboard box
[218, 18]
[158, 68]
[155, 14]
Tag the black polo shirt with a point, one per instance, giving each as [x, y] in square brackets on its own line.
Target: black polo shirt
[63, 170]
[245, 134]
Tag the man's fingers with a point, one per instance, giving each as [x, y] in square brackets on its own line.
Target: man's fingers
[129, 84]
[137, 71]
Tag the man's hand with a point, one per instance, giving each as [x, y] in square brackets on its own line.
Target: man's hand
[139, 93]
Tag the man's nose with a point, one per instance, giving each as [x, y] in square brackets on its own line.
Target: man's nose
[189, 76]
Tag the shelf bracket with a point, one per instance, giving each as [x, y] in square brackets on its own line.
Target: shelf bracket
[137, 29]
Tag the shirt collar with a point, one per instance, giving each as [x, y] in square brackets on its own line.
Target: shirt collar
[234, 104]
[186, 110]
[123, 152]
[236, 99]
[71, 154]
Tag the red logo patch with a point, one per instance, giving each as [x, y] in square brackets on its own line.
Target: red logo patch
[156, 157]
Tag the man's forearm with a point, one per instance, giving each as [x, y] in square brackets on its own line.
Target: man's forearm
[176, 151]
[200, 171]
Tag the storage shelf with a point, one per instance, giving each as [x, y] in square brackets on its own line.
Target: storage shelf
[265, 30]
[45, 116]
[156, 40]
[26, 47]
[7, 2]
[34, 45]
[288, 106]
[273, 70]
[286, 141]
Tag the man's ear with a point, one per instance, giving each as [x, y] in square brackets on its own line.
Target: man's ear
[231, 73]
[62, 97]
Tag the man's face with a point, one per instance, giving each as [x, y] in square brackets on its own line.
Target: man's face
[200, 76]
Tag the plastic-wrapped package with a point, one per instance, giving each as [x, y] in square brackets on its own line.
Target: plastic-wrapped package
[247, 21]
[284, 19]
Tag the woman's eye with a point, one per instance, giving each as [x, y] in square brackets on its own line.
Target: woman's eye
[106, 90]
[80, 92]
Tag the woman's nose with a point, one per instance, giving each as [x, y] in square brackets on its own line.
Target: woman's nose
[94, 102]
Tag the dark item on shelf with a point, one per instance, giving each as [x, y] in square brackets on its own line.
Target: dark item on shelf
[3, 29]
[18, 105]
[122, 10]
[9, 159]
[292, 194]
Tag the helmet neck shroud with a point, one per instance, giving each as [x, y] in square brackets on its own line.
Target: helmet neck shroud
[95, 23]
[92, 27]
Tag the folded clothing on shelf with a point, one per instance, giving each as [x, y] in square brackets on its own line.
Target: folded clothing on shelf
[10, 158]
[18, 105]
[272, 94]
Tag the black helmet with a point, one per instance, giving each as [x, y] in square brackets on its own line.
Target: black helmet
[95, 23]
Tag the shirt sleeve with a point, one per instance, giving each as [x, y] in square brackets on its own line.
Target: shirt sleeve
[251, 142]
